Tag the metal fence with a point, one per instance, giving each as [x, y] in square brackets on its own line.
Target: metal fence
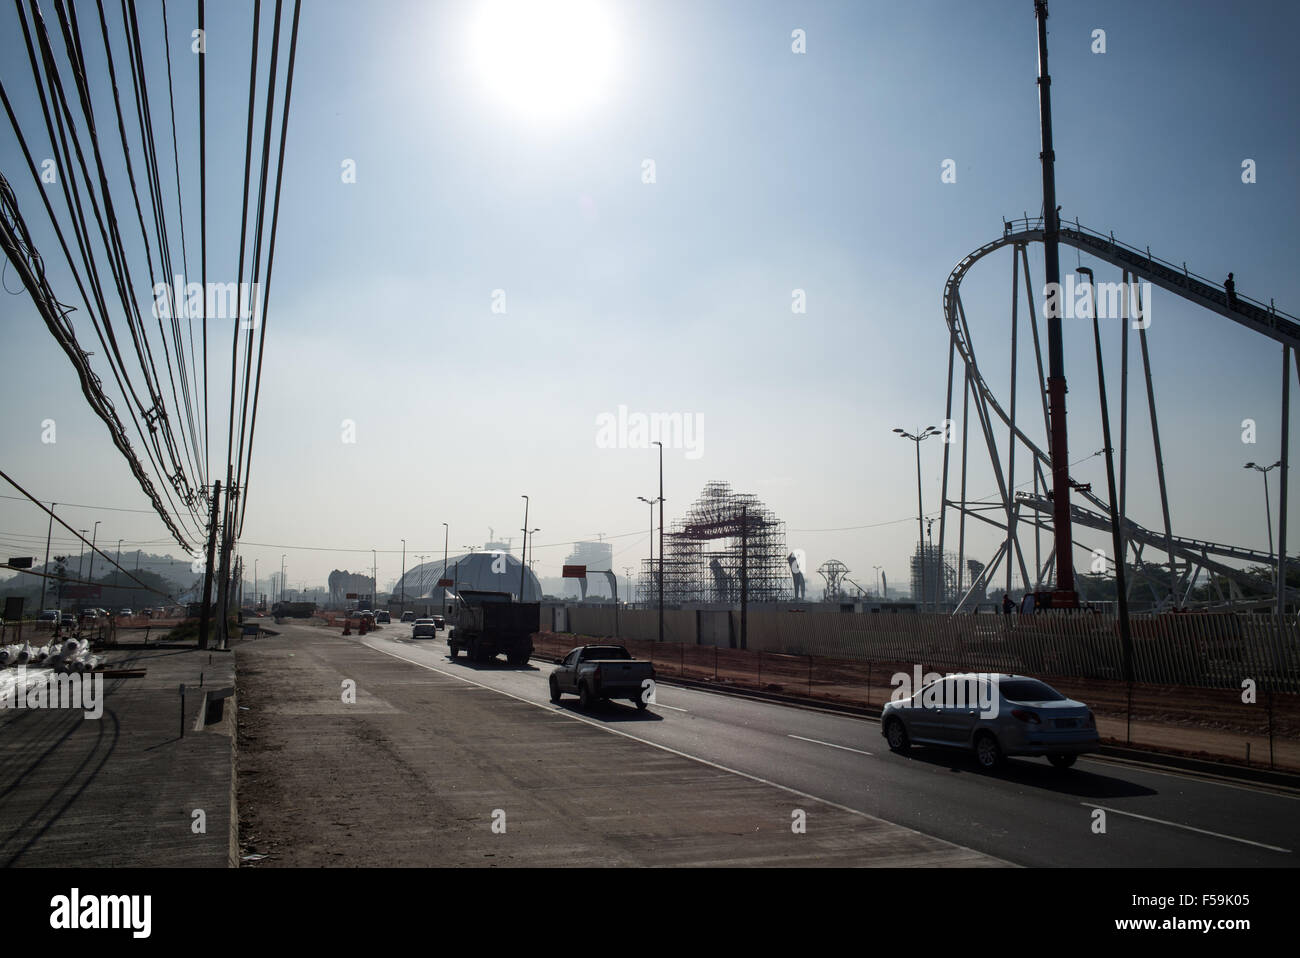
[1199, 650]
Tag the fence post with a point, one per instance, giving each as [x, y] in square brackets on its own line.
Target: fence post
[715, 663]
[760, 668]
[810, 665]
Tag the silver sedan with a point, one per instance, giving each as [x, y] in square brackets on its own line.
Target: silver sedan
[993, 715]
[424, 629]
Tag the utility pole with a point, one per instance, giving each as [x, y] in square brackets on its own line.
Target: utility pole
[1065, 595]
[446, 538]
[227, 547]
[204, 613]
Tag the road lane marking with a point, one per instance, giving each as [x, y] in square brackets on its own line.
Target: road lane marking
[816, 741]
[546, 706]
[661, 705]
[1202, 831]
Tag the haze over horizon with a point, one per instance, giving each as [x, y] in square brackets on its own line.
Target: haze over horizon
[500, 278]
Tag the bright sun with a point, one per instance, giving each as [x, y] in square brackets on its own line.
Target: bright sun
[546, 60]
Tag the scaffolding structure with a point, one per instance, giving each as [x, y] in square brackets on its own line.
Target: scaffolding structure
[940, 575]
[725, 535]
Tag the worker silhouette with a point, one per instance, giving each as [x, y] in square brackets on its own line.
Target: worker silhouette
[1230, 288]
[1007, 604]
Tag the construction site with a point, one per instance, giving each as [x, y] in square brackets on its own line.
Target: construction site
[728, 544]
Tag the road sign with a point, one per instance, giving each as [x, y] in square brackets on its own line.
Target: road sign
[444, 583]
[22, 562]
[575, 572]
[352, 595]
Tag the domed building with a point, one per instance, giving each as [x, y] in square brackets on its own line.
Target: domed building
[484, 571]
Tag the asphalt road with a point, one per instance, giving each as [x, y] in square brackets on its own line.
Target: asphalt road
[1028, 814]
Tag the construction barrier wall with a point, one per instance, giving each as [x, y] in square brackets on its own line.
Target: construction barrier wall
[1199, 650]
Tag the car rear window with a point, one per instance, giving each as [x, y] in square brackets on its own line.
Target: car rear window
[607, 652]
[1028, 690]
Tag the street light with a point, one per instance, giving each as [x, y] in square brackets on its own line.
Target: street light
[533, 534]
[46, 569]
[93, 536]
[403, 575]
[1268, 512]
[523, 568]
[920, 519]
[282, 558]
[446, 537]
[661, 539]
[651, 504]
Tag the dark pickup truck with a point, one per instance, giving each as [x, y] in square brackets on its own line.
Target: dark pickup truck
[596, 672]
[491, 623]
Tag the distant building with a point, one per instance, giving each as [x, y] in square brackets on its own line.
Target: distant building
[596, 556]
[342, 583]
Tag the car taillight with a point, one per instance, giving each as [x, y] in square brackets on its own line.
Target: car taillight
[1027, 716]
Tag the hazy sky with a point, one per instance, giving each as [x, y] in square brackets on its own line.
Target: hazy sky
[478, 186]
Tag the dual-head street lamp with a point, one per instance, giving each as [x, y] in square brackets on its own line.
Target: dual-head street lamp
[1268, 512]
[917, 438]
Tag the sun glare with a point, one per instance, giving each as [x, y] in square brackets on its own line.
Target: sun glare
[545, 60]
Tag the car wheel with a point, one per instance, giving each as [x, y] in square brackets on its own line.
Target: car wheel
[896, 735]
[555, 690]
[585, 698]
[1062, 761]
[987, 751]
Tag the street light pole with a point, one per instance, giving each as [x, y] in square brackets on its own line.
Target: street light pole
[282, 558]
[446, 537]
[920, 515]
[403, 575]
[651, 504]
[1268, 510]
[523, 567]
[94, 536]
[46, 569]
[661, 539]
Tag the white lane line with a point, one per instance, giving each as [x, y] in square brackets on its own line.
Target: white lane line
[816, 741]
[660, 705]
[1202, 831]
[695, 758]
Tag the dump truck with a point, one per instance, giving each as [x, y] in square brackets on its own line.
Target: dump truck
[489, 624]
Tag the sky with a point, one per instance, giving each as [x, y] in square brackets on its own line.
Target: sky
[502, 273]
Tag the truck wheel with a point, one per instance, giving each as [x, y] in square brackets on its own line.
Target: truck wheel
[555, 690]
[452, 650]
[585, 698]
[641, 704]
[472, 651]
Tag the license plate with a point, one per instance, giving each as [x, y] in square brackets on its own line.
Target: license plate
[1067, 723]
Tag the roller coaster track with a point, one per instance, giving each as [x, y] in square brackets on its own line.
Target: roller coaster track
[1264, 319]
